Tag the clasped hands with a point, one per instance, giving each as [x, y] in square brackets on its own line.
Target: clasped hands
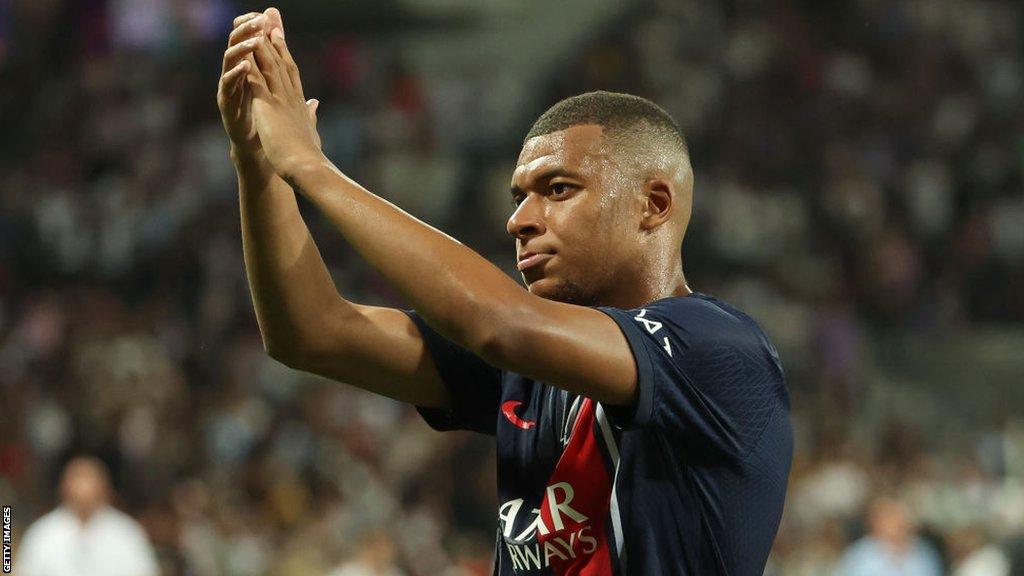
[263, 108]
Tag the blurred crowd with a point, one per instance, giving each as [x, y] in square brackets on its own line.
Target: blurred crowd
[859, 179]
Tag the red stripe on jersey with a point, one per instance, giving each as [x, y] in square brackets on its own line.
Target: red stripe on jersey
[576, 504]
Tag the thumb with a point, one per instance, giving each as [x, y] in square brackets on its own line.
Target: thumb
[312, 104]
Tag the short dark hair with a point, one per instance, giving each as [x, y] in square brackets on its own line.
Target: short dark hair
[617, 113]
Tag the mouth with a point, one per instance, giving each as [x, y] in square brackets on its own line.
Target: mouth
[529, 260]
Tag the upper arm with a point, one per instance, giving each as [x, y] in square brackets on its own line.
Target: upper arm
[377, 349]
[576, 348]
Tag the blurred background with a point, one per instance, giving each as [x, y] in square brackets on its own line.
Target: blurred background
[859, 192]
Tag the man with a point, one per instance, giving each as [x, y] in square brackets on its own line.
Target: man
[892, 546]
[641, 428]
[85, 535]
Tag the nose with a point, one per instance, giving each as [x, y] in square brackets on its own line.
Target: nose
[528, 219]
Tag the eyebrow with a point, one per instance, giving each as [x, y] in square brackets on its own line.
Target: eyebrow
[546, 175]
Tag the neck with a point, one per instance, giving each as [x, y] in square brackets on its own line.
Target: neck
[647, 286]
[84, 514]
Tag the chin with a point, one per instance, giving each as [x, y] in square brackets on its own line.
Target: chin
[543, 287]
[559, 290]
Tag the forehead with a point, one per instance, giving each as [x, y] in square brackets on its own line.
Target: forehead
[578, 148]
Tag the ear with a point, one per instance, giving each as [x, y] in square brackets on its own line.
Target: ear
[659, 199]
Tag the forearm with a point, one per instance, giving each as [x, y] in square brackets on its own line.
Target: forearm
[292, 291]
[460, 293]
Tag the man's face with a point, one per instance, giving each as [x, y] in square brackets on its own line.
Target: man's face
[85, 488]
[571, 214]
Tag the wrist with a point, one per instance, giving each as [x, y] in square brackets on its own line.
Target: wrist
[246, 158]
[301, 169]
[253, 170]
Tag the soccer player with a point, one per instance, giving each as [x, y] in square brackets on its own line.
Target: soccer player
[642, 428]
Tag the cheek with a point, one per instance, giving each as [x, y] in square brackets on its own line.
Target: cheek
[590, 239]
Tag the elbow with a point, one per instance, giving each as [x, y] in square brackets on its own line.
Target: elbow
[306, 345]
[289, 351]
[307, 350]
[278, 351]
[294, 358]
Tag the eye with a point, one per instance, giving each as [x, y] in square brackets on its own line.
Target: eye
[561, 188]
[517, 199]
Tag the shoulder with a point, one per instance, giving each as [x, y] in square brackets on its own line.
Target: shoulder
[48, 531]
[697, 314]
[120, 523]
[703, 367]
[54, 520]
[707, 317]
[700, 322]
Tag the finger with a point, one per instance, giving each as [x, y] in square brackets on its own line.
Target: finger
[246, 29]
[245, 99]
[227, 89]
[270, 65]
[257, 82]
[238, 52]
[234, 79]
[243, 18]
[282, 67]
[290, 67]
[240, 35]
[273, 19]
[313, 104]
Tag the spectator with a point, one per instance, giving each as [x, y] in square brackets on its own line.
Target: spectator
[85, 535]
[892, 547]
[971, 555]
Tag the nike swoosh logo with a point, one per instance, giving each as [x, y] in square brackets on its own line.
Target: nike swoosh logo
[508, 408]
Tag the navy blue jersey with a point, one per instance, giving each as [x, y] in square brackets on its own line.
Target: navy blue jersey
[689, 480]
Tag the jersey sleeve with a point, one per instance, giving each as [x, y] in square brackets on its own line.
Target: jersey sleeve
[707, 377]
[474, 385]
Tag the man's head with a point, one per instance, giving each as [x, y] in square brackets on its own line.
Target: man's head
[603, 191]
[892, 523]
[85, 487]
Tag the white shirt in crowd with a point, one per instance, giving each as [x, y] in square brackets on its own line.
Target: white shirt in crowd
[986, 561]
[357, 568]
[110, 544]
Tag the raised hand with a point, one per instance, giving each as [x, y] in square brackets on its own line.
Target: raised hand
[234, 95]
[284, 121]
